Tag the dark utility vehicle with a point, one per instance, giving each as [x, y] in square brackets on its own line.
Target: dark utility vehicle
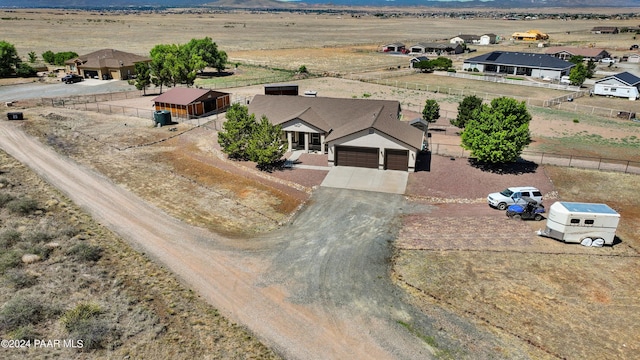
[528, 211]
[71, 78]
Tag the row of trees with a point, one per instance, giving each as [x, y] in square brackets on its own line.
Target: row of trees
[11, 64]
[244, 138]
[439, 63]
[494, 133]
[179, 64]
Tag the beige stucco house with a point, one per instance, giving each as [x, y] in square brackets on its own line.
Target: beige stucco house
[352, 132]
[105, 64]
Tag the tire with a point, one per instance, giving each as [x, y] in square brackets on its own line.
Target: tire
[502, 206]
[598, 242]
[517, 217]
[586, 241]
[537, 217]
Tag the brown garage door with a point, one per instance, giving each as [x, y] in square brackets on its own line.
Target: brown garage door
[396, 159]
[356, 156]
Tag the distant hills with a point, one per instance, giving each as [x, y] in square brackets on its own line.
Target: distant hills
[273, 4]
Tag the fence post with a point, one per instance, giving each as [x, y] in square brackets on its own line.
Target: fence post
[570, 159]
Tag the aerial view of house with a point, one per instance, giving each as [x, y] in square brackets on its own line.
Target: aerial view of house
[519, 63]
[436, 48]
[588, 53]
[105, 64]
[624, 84]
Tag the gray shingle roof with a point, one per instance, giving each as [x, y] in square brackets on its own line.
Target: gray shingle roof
[107, 58]
[338, 117]
[521, 59]
[625, 77]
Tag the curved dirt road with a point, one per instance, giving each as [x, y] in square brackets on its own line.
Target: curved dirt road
[318, 288]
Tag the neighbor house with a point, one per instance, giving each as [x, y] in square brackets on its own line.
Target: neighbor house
[436, 48]
[519, 63]
[395, 47]
[624, 85]
[352, 132]
[566, 52]
[417, 59]
[465, 39]
[105, 64]
[633, 58]
[488, 39]
[605, 30]
[190, 102]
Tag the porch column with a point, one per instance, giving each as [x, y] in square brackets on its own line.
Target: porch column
[322, 143]
[306, 142]
[289, 141]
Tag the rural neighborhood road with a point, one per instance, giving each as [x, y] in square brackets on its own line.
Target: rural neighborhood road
[318, 288]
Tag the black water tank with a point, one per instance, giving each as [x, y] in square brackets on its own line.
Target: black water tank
[15, 116]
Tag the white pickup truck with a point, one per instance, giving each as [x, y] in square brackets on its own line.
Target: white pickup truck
[608, 61]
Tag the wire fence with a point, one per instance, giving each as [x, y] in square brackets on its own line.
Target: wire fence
[544, 158]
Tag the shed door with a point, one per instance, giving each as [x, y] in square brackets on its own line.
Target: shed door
[396, 159]
[356, 156]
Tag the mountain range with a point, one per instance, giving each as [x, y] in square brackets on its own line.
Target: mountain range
[273, 4]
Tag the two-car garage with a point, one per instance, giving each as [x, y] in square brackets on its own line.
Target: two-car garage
[368, 158]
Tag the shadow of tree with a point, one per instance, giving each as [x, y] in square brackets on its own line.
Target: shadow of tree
[519, 167]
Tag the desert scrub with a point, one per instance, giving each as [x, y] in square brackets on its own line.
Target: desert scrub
[20, 279]
[22, 311]
[9, 238]
[5, 199]
[83, 322]
[22, 206]
[9, 260]
[85, 252]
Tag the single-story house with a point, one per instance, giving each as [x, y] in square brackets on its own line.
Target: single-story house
[395, 47]
[624, 84]
[417, 59]
[519, 63]
[605, 30]
[566, 52]
[465, 39]
[488, 39]
[352, 132]
[437, 48]
[530, 35]
[105, 64]
[191, 102]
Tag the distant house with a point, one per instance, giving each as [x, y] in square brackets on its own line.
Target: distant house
[488, 39]
[465, 39]
[190, 102]
[395, 47]
[436, 48]
[566, 52]
[530, 35]
[352, 132]
[605, 30]
[416, 60]
[624, 85]
[633, 58]
[519, 63]
[105, 64]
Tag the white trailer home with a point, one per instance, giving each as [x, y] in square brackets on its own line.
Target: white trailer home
[623, 85]
[586, 223]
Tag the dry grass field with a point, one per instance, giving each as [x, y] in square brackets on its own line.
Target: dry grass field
[558, 301]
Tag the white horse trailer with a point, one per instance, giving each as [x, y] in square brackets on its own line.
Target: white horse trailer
[586, 223]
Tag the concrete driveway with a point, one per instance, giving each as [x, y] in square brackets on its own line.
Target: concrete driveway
[354, 178]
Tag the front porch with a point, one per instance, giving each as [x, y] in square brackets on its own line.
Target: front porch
[307, 141]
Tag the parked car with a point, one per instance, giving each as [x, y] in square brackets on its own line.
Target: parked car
[513, 195]
[71, 78]
[565, 80]
[531, 211]
[608, 61]
[634, 47]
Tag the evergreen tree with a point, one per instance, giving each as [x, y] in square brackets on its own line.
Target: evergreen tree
[143, 76]
[466, 108]
[237, 130]
[578, 74]
[9, 60]
[265, 146]
[431, 111]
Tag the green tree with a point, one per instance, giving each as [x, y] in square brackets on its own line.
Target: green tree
[498, 132]
[61, 57]
[162, 57]
[49, 57]
[431, 111]
[9, 59]
[578, 74]
[441, 63]
[32, 57]
[591, 68]
[576, 59]
[236, 132]
[466, 109]
[143, 76]
[303, 69]
[25, 70]
[207, 52]
[265, 145]
[424, 66]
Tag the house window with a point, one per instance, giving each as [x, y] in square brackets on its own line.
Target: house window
[575, 221]
[315, 139]
[588, 222]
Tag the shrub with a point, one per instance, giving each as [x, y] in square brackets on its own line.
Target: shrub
[576, 121]
[27, 332]
[5, 199]
[9, 260]
[23, 206]
[20, 279]
[86, 252]
[82, 312]
[22, 311]
[39, 237]
[82, 322]
[476, 70]
[9, 238]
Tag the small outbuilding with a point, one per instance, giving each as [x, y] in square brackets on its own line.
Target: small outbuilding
[190, 102]
[624, 85]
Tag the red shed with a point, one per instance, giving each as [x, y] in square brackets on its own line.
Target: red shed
[188, 102]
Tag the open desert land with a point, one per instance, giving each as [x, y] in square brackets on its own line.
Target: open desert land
[488, 285]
